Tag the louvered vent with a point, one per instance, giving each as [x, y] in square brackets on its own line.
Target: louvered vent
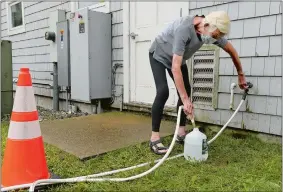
[204, 77]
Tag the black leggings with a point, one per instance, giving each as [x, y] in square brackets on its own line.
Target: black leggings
[162, 91]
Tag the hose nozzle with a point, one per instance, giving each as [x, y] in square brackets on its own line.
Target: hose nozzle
[250, 85]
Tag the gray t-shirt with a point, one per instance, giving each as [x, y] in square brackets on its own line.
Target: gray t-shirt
[179, 38]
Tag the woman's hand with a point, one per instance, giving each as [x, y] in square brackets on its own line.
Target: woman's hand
[188, 108]
[242, 81]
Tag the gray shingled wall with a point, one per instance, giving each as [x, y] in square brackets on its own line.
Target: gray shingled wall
[117, 47]
[256, 34]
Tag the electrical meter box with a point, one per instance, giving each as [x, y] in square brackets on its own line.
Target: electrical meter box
[90, 55]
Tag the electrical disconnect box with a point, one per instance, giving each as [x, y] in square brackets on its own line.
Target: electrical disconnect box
[90, 55]
[63, 48]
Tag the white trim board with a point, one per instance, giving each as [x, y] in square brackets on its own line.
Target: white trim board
[74, 5]
[126, 51]
[103, 7]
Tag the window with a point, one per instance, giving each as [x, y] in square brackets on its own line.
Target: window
[15, 17]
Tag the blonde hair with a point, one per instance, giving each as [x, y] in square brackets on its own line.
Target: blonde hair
[218, 20]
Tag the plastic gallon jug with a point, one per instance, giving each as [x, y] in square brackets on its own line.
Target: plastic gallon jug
[195, 146]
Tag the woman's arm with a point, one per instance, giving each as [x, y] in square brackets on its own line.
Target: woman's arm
[235, 57]
[228, 47]
[181, 37]
[178, 77]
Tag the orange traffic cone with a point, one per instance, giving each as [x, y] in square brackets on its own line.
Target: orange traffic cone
[24, 159]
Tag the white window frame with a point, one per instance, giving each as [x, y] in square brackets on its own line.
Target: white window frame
[19, 29]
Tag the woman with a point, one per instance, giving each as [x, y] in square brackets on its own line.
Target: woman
[170, 50]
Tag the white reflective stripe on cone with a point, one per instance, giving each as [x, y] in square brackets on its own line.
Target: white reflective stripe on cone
[24, 99]
[24, 130]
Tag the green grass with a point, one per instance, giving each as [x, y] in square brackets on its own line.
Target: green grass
[245, 164]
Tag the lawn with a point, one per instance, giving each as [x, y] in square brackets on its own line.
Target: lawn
[234, 164]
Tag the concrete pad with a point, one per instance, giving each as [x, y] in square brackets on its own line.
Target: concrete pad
[88, 136]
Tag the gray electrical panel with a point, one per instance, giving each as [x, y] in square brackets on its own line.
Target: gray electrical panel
[63, 55]
[90, 55]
